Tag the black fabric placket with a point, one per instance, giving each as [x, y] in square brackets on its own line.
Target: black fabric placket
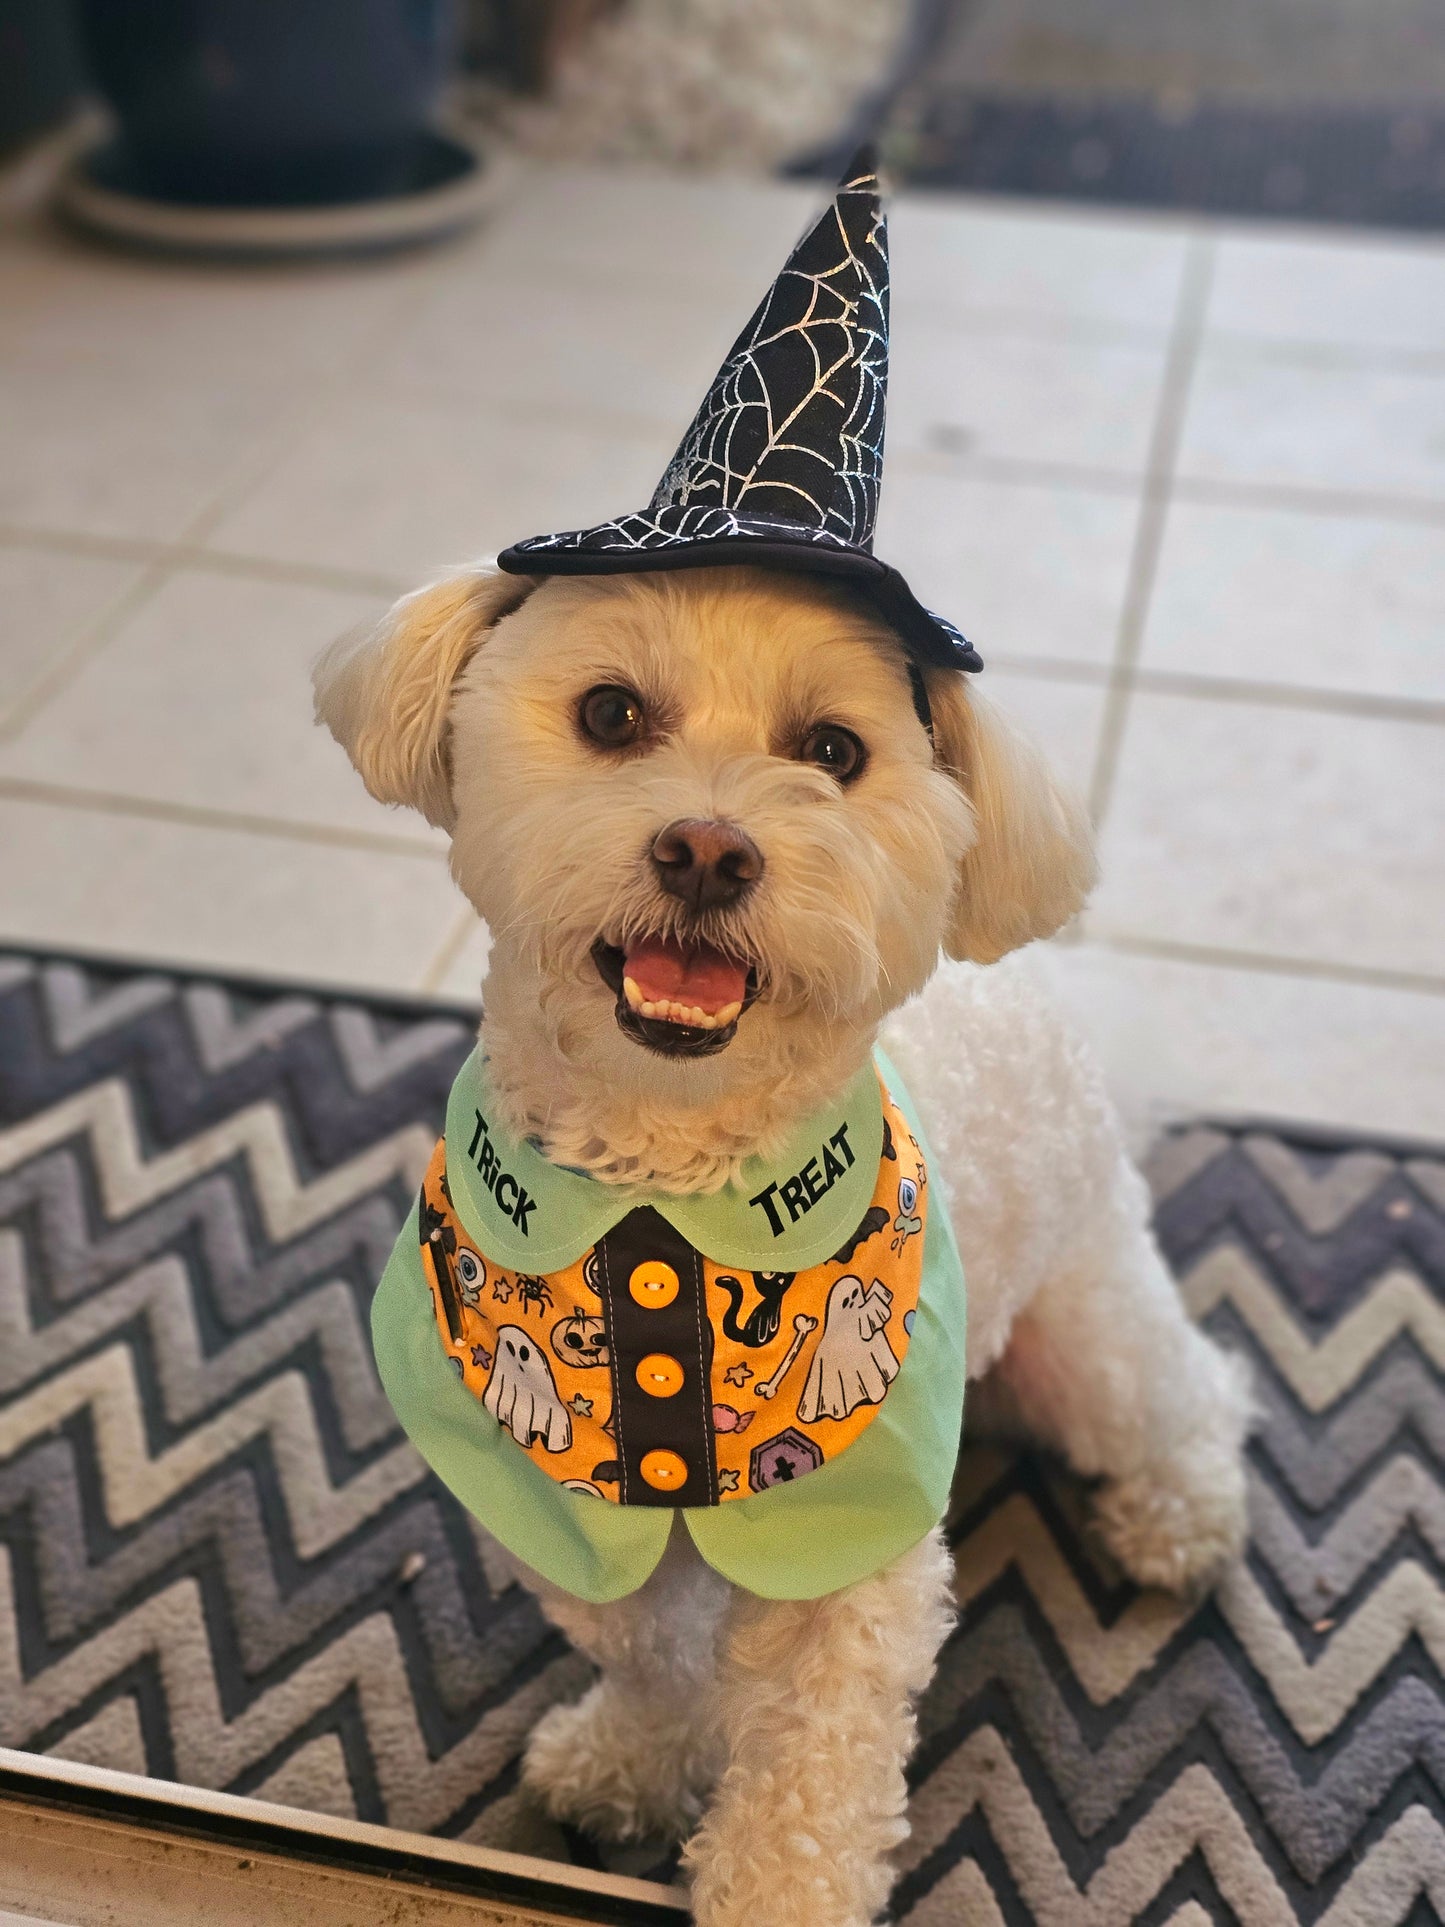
[642, 1423]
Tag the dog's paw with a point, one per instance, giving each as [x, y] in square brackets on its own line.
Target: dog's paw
[615, 1773]
[1178, 1523]
[728, 1891]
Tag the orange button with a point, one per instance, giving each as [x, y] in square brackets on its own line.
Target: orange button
[653, 1284]
[660, 1375]
[665, 1470]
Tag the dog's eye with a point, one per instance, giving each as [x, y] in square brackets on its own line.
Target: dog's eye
[612, 715]
[834, 749]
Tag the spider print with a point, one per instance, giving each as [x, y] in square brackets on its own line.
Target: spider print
[533, 1294]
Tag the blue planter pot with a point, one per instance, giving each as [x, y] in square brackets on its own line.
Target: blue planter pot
[271, 103]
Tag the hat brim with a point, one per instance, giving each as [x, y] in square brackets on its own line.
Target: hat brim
[929, 638]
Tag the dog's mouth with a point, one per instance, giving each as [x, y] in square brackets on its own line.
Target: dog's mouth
[678, 999]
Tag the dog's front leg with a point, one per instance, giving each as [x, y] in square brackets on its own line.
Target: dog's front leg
[1104, 1365]
[637, 1755]
[816, 1706]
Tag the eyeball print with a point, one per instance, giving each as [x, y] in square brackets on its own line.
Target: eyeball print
[471, 1275]
[907, 1195]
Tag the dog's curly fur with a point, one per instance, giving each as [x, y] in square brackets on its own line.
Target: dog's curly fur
[777, 1732]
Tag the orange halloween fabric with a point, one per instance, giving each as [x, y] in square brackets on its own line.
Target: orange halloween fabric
[796, 1365]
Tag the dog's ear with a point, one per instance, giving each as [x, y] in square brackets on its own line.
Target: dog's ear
[1032, 861]
[383, 689]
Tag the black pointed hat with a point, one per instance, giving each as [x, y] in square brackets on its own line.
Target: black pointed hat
[783, 461]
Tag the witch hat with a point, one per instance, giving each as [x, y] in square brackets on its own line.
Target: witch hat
[783, 461]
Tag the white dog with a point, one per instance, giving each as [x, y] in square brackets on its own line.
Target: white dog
[778, 1731]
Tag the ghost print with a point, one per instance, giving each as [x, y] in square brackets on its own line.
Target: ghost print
[521, 1393]
[853, 1363]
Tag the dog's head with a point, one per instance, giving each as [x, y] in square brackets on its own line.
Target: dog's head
[699, 812]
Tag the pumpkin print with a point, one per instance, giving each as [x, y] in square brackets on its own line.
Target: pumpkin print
[581, 1340]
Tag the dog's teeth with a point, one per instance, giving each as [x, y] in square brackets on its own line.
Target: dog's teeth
[670, 1011]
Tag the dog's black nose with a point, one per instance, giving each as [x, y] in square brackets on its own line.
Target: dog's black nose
[708, 864]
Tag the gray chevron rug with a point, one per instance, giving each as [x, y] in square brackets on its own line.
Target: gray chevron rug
[220, 1563]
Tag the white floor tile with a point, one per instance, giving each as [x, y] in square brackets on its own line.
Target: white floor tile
[635, 226]
[987, 393]
[952, 255]
[1261, 417]
[1062, 718]
[644, 351]
[1183, 1039]
[220, 899]
[1366, 291]
[47, 601]
[1285, 832]
[91, 448]
[1024, 568]
[411, 488]
[204, 698]
[131, 389]
[68, 304]
[466, 966]
[1355, 604]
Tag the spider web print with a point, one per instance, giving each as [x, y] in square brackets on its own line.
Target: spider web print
[791, 431]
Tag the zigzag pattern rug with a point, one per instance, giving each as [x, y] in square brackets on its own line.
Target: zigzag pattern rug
[220, 1563]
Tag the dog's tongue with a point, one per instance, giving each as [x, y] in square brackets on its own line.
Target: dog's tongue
[685, 984]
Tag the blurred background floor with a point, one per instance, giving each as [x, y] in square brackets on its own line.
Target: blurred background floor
[1322, 109]
[1184, 483]
[1324, 51]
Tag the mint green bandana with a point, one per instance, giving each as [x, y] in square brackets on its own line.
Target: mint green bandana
[796, 1541]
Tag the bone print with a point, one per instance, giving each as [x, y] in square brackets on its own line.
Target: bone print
[802, 1325]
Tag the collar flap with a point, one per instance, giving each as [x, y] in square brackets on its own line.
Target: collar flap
[782, 1214]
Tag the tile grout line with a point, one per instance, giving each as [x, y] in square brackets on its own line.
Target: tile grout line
[450, 948]
[85, 644]
[195, 816]
[937, 463]
[1164, 442]
[323, 575]
[1008, 471]
[1303, 698]
[1263, 962]
[1336, 357]
[303, 575]
[1300, 498]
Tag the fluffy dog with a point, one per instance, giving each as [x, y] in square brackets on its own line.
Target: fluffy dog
[774, 706]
